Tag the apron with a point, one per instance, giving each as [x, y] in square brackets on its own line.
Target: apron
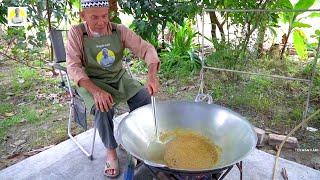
[103, 65]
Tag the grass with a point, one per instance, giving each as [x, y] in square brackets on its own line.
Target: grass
[24, 106]
[256, 96]
[21, 115]
[54, 134]
[24, 78]
[172, 90]
[5, 108]
[190, 97]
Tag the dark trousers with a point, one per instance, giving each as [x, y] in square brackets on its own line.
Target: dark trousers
[104, 120]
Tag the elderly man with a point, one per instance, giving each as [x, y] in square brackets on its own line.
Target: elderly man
[102, 84]
[17, 18]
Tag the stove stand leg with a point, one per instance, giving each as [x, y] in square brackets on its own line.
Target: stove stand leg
[239, 165]
[225, 173]
[152, 172]
[216, 176]
[139, 163]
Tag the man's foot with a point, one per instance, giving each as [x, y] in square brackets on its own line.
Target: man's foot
[111, 168]
[112, 164]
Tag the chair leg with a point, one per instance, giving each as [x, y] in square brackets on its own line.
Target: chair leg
[90, 156]
[93, 140]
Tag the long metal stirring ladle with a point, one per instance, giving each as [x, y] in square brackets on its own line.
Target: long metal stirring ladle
[156, 147]
[153, 103]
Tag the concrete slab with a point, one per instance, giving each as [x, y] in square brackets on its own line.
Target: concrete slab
[259, 165]
[66, 161]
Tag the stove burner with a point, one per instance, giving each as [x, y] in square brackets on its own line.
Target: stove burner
[218, 174]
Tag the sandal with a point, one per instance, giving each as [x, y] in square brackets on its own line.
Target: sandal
[112, 165]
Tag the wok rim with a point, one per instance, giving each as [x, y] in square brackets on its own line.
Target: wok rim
[157, 165]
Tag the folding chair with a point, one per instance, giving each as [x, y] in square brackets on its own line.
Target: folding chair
[60, 57]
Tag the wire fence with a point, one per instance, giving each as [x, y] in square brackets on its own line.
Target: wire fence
[226, 25]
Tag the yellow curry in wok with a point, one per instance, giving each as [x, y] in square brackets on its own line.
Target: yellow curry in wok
[189, 150]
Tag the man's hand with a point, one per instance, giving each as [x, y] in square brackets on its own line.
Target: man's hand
[103, 100]
[153, 80]
[153, 85]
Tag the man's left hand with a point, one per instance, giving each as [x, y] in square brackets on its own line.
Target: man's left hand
[153, 84]
[153, 80]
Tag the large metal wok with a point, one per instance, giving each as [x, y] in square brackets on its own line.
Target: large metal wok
[227, 129]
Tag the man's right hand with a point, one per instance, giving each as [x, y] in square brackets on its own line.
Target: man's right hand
[103, 100]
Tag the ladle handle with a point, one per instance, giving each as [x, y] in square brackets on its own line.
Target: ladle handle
[153, 103]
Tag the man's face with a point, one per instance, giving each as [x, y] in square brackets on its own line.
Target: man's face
[17, 12]
[96, 18]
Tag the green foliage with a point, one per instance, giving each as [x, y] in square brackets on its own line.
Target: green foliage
[307, 71]
[151, 17]
[75, 3]
[259, 84]
[300, 25]
[299, 41]
[225, 55]
[217, 91]
[139, 66]
[304, 4]
[292, 19]
[2, 12]
[180, 57]
[314, 15]
[285, 4]
[22, 44]
[245, 23]
[154, 41]
[183, 37]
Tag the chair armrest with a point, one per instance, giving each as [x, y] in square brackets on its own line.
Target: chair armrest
[58, 66]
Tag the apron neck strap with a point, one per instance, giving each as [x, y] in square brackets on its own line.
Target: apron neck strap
[114, 27]
[84, 30]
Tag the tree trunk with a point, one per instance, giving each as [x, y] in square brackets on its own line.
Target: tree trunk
[50, 27]
[113, 7]
[260, 40]
[214, 21]
[285, 42]
[213, 31]
[245, 43]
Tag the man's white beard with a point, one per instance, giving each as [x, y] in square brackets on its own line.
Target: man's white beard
[96, 34]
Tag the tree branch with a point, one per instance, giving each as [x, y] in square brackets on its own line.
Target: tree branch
[11, 41]
[23, 61]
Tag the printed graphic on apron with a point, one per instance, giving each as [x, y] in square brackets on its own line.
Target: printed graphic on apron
[105, 58]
